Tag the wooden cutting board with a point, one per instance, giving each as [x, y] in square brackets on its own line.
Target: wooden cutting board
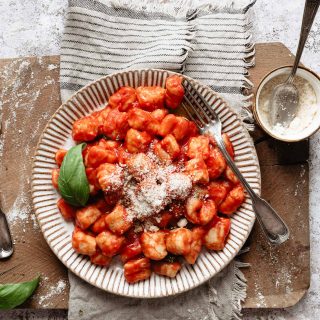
[29, 92]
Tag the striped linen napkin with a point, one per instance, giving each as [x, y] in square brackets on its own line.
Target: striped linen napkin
[208, 40]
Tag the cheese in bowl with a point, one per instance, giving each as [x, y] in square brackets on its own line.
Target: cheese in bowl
[306, 120]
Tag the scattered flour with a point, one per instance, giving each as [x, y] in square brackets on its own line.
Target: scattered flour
[261, 299]
[52, 66]
[20, 210]
[52, 291]
[15, 111]
[146, 193]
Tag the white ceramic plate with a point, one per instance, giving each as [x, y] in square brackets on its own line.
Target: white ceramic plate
[57, 231]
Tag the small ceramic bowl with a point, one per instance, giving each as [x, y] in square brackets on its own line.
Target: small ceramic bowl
[313, 79]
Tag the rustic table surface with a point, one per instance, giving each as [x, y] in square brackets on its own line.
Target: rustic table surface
[35, 28]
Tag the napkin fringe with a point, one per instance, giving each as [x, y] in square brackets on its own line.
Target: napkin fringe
[239, 292]
[245, 113]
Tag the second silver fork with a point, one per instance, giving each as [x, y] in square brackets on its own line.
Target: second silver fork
[209, 123]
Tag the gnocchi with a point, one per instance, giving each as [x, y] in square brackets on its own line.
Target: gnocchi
[196, 245]
[159, 191]
[233, 200]
[198, 170]
[168, 149]
[154, 245]
[175, 91]
[67, 211]
[124, 99]
[151, 98]
[178, 241]
[100, 259]
[137, 141]
[83, 243]
[85, 129]
[60, 156]
[168, 269]
[200, 211]
[117, 220]
[216, 236]
[109, 243]
[86, 216]
[137, 270]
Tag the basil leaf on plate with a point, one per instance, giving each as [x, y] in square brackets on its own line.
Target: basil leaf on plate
[12, 295]
[73, 183]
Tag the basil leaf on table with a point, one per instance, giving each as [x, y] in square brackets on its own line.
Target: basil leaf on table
[12, 295]
[73, 183]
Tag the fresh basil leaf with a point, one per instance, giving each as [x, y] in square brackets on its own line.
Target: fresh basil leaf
[73, 183]
[14, 294]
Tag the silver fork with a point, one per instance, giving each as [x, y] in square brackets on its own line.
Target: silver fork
[209, 123]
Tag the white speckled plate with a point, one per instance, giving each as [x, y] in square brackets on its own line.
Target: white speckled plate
[57, 231]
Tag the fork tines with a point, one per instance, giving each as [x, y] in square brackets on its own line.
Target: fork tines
[196, 106]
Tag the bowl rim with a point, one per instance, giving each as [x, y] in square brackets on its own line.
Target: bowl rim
[34, 165]
[256, 103]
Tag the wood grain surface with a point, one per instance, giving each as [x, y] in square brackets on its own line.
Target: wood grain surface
[279, 276]
[29, 92]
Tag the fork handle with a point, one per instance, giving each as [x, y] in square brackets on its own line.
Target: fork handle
[271, 223]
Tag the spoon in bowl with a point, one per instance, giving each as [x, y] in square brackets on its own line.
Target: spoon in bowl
[285, 96]
[6, 246]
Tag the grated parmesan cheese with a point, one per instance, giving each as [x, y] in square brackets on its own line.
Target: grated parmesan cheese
[147, 192]
[115, 179]
[182, 222]
[179, 185]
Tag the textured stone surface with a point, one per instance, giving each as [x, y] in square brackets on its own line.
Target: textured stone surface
[34, 27]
